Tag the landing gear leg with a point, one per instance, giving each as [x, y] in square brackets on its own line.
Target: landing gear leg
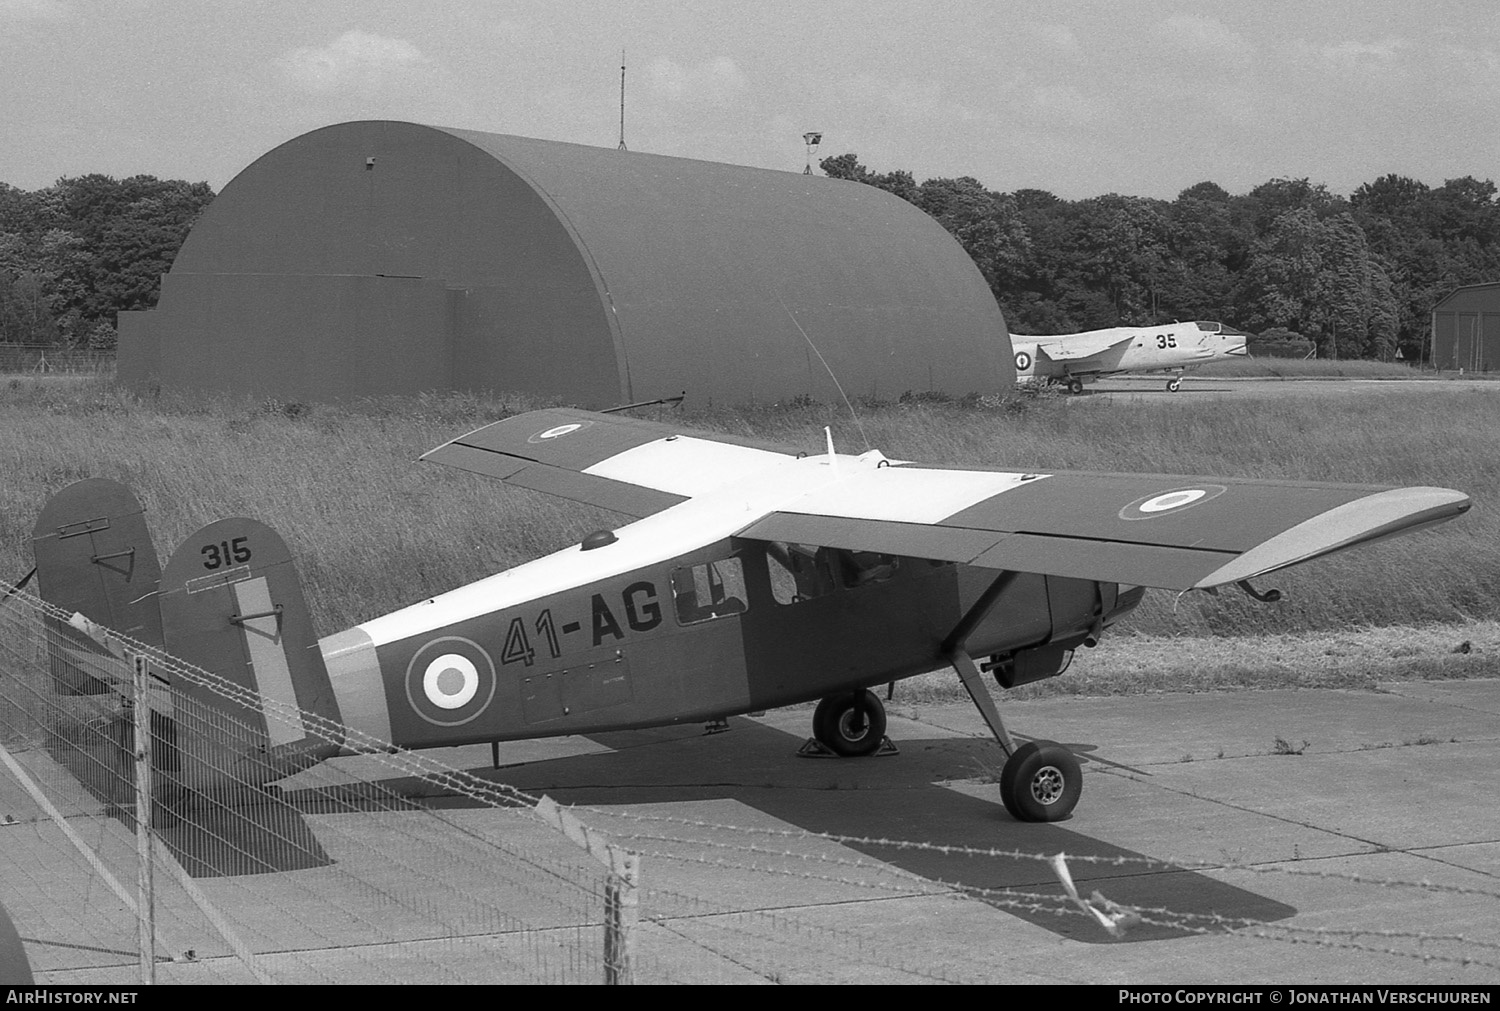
[1042, 780]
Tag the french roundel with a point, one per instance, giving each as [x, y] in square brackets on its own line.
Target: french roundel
[558, 431]
[1175, 500]
[450, 681]
[1023, 361]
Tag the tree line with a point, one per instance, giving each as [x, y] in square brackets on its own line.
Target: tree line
[1357, 276]
[74, 254]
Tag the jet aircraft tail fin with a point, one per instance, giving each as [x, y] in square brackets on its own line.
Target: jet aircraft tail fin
[232, 604]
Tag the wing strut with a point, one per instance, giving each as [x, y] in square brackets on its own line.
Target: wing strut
[963, 664]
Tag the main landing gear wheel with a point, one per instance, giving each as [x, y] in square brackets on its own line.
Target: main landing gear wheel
[1041, 781]
[1174, 385]
[1075, 386]
[851, 725]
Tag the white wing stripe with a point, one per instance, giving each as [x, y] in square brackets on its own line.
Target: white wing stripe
[684, 465]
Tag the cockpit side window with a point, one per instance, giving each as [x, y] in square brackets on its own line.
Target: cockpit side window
[708, 591]
[861, 568]
[798, 572]
[801, 572]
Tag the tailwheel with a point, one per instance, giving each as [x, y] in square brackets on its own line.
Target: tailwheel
[851, 724]
[1041, 781]
[1174, 385]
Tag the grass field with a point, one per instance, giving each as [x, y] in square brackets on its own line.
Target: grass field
[374, 531]
[1312, 368]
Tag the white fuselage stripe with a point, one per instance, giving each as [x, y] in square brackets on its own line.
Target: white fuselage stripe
[268, 662]
[861, 487]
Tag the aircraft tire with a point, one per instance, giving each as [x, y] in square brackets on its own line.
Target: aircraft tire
[1041, 781]
[851, 724]
[1075, 386]
[1174, 385]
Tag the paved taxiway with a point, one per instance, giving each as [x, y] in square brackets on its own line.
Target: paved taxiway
[1272, 802]
[1396, 784]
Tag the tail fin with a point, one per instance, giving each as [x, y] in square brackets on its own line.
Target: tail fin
[231, 603]
[94, 557]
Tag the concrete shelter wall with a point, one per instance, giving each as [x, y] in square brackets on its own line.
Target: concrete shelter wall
[1466, 329]
[761, 272]
[587, 274]
[305, 337]
[430, 206]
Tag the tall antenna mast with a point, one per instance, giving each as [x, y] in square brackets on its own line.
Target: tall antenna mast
[622, 99]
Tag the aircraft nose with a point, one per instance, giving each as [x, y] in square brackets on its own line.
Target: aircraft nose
[1239, 350]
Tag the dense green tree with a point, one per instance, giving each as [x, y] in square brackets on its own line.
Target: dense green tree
[1319, 277]
[1208, 246]
[74, 254]
[1358, 275]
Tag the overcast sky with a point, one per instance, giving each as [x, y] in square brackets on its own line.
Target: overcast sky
[1142, 97]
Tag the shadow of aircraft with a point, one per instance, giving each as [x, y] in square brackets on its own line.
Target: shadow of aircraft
[897, 798]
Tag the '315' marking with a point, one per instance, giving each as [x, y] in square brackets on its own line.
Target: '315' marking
[225, 552]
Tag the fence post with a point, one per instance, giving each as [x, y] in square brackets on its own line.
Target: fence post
[145, 905]
[622, 885]
[621, 913]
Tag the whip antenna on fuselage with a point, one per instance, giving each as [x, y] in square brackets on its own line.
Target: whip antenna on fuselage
[837, 385]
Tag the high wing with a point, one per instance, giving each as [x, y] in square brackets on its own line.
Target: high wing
[1167, 531]
[1082, 345]
[622, 464]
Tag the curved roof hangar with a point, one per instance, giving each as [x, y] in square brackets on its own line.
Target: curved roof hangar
[379, 256]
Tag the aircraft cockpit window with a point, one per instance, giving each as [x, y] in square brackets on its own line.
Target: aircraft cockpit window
[1209, 326]
[798, 572]
[860, 568]
[709, 591]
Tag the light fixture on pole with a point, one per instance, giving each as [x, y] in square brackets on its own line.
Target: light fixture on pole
[812, 139]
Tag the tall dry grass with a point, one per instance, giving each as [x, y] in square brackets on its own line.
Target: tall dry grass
[1310, 368]
[373, 531]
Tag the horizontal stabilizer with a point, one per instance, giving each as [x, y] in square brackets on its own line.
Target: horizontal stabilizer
[1081, 345]
[622, 464]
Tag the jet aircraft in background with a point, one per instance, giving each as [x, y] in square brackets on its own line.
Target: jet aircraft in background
[1073, 357]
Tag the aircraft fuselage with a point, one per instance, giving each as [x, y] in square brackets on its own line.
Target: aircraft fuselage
[639, 632]
[1171, 347]
[649, 646]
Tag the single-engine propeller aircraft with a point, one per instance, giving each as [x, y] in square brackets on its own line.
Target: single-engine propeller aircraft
[752, 576]
[1073, 357]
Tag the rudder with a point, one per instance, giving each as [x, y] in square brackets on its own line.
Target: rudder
[232, 604]
[94, 557]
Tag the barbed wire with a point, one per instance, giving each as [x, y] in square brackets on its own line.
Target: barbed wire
[881, 880]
